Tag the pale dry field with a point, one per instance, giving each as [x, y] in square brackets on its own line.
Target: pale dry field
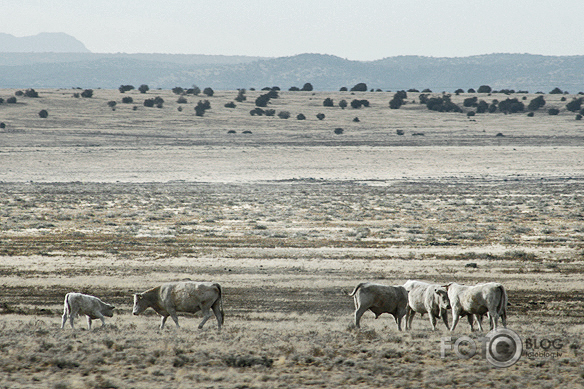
[286, 218]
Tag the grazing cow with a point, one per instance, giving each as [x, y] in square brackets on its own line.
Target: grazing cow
[182, 296]
[83, 304]
[488, 298]
[380, 299]
[426, 298]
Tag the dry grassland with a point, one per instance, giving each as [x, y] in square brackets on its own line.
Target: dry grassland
[286, 218]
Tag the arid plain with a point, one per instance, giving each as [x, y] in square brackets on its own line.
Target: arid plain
[286, 215]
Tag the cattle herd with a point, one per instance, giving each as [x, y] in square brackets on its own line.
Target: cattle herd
[401, 300]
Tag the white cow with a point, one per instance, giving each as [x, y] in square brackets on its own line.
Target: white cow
[83, 304]
[426, 298]
[380, 299]
[182, 296]
[488, 298]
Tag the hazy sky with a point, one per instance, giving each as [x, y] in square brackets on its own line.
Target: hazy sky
[353, 29]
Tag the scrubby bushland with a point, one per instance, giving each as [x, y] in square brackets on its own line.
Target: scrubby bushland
[471, 90]
[195, 90]
[356, 119]
[112, 103]
[556, 91]
[181, 100]
[177, 90]
[241, 96]
[269, 112]
[427, 90]
[208, 91]
[43, 113]
[157, 101]
[343, 104]
[2, 125]
[231, 104]
[320, 116]
[328, 102]
[300, 116]
[484, 89]
[360, 87]
[413, 90]
[338, 131]
[511, 106]
[574, 105]
[470, 102]
[11, 100]
[125, 88]
[442, 104]
[553, 111]
[87, 93]
[283, 114]
[201, 107]
[256, 112]
[127, 100]
[578, 117]
[458, 91]
[143, 88]
[399, 132]
[307, 87]
[19, 93]
[536, 103]
[482, 106]
[343, 89]
[262, 100]
[293, 89]
[359, 103]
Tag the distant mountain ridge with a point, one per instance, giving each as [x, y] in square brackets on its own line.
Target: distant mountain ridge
[325, 72]
[46, 42]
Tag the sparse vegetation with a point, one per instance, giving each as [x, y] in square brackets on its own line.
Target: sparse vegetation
[143, 88]
[43, 113]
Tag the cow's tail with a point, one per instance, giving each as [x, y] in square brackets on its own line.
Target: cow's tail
[220, 302]
[502, 307]
[66, 305]
[356, 289]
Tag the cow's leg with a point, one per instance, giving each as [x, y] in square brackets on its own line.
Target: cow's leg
[398, 320]
[218, 314]
[72, 315]
[445, 318]
[410, 313]
[174, 318]
[102, 318]
[504, 318]
[65, 317]
[358, 313]
[163, 321]
[206, 316]
[455, 319]
[493, 319]
[470, 319]
[88, 322]
[432, 321]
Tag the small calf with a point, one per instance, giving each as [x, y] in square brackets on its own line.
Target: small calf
[83, 304]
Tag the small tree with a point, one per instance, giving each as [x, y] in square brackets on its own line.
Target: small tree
[293, 89]
[262, 100]
[31, 93]
[300, 116]
[201, 107]
[127, 100]
[111, 104]
[11, 100]
[87, 93]
[144, 88]
[256, 112]
[574, 105]
[230, 104]
[241, 96]
[360, 87]
[343, 104]
[125, 88]
[484, 89]
[343, 89]
[208, 91]
[283, 114]
[553, 111]
[270, 112]
[177, 90]
[307, 87]
[556, 91]
[320, 116]
[181, 100]
[43, 113]
[328, 102]
[536, 103]
[338, 131]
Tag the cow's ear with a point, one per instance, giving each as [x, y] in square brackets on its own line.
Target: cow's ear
[447, 285]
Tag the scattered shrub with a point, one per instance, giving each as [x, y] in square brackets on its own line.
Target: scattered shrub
[427, 90]
[177, 90]
[269, 112]
[283, 114]
[556, 91]
[470, 102]
[256, 112]
[574, 105]
[2, 125]
[179, 109]
[511, 106]
[343, 89]
[328, 102]
[157, 101]
[19, 93]
[31, 93]
[359, 103]
[181, 100]
[300, 116]
[360, 87]
[208, 91]
[458, 91]
[293, 89]
[356, 119]
[307, 87]
[241, 96]
[499, 134]
[320, 116]
[553, 111]
[11, 100]
[127, 100]
[470, 113]
[482, 106]
[471, 90]
[398, 99]
[1, 100]
[343, 104]
[231, 104]
[143, 88]
[201, 107]
[76, 95]
[125, 88]
[338, 131]
[578, 117]
[484, 89]
[399, 132]
[442, 104]
[111, 104]
[231, 132]
[246, 132]
[43, 113]
[531, 114]
[87, 93]
[536, 103]
[195, 90]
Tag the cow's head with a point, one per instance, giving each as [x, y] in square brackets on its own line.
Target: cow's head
[442, 298]
[108, 310]
[140, 304]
